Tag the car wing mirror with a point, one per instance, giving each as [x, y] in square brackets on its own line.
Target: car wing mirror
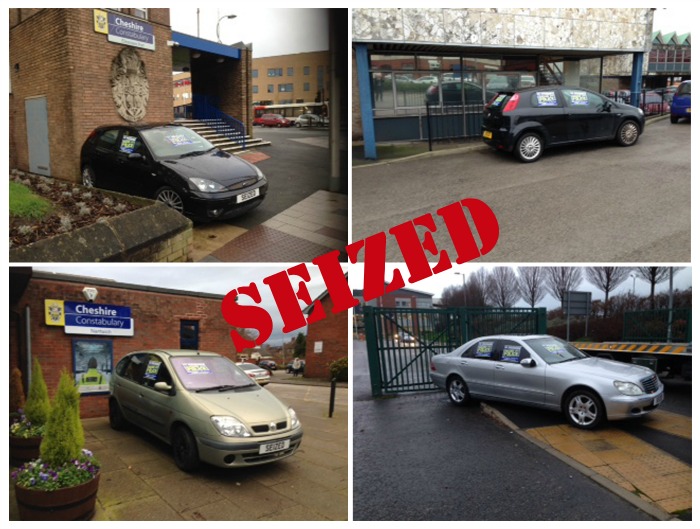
[163, 387]
[136, 156]
[607, 106]
[528, 362]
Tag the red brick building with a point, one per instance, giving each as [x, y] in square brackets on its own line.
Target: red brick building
[162, 318]
[326, 340]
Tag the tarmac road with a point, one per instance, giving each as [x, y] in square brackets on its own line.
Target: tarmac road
[591, 203]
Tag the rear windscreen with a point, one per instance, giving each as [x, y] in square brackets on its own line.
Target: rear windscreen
[499, 101]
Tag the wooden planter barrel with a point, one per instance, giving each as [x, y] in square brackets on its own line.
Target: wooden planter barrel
[72, 503]
[23, 449]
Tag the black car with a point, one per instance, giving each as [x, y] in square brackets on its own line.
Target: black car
[172, 164]
[528, 121]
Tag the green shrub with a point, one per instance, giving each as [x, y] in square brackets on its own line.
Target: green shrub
[339, 369]
[38, 406]
[25, 204]
[63, 436]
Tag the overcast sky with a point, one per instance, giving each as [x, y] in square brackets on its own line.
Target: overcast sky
[212, 279]
[675, 19]
[272, 31]
[438, 282]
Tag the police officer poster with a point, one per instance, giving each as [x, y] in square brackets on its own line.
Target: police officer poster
[92, 365]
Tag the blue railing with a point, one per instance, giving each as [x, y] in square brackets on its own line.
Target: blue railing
[230, 127]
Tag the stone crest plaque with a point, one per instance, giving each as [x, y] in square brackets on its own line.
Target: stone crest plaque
[129, 85]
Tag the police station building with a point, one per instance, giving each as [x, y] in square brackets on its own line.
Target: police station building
[404, 59]
[86, 325]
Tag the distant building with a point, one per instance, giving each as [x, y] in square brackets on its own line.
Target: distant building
[297, 78]
[326, 340]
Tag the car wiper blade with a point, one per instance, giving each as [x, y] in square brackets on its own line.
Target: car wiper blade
[224, 387]
[192, 153]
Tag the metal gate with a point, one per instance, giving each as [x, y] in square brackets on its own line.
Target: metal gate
[401, 342]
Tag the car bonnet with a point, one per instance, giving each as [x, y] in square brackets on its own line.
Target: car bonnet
[216, 165]
[601, 367]
[250, 406]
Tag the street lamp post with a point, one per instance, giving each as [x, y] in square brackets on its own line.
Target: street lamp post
[219, 22]
[464, 286]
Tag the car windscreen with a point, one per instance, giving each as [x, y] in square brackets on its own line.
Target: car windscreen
[174, 142]
[684, 89]
[554, 350]
[198, 373]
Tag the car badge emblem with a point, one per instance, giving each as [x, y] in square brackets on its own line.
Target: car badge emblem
[273, 427]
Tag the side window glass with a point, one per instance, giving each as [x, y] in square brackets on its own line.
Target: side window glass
[155, 371]
[108, 139]
[483, 350]
[547, 98]
[131, 142]
[513, 352]
[579, 99]
[136, 368]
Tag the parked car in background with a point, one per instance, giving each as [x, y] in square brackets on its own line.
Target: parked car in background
[259, 374]
[528, 121]
[172, 164]
[273, 120]
[458, 93]
[426, 79]
[547, 372]
[204, 406]
[311, 120]
[680, 105]
[268, 364]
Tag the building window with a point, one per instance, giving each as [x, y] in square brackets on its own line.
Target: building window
[255, 74]
[290, 72]
[307, 87]
[287, 87]
[307, 70]
[270, 89]
[274, 72]
[255, 89]
[141, 12]
[189, 334]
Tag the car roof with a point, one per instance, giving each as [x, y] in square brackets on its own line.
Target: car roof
[178, 352]
[141, 126]
[513, 336]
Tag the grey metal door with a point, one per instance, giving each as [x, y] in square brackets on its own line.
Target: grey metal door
[36, 112]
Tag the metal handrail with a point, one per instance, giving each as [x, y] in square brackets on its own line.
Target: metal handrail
[221, 122]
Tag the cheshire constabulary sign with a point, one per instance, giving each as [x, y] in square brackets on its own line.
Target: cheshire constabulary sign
[94, 319]
[124, 30]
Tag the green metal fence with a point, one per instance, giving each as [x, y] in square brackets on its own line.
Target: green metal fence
[401, 342]
[652, 326]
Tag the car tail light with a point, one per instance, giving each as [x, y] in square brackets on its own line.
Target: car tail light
[512, 103]
[432, 89]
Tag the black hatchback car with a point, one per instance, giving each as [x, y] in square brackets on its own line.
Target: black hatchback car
[525, 122]
[172, 164]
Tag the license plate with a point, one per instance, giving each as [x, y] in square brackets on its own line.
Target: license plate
[248, 195]
[658, 400]
[277, 446]
[688, 110]
[488, 135]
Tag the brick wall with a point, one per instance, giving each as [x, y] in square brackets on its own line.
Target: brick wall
[156, 317]
[60, 56]
[333, 332]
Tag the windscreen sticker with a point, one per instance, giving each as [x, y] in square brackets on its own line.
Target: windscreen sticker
[546, 99]
[178, 140]
[499, 99]
[511, 353]
[484, 349]
[152, 369]
[555, 349]
[579, 98]
[128, 144]
[196, 369]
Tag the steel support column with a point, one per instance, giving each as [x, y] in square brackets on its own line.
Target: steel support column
[365, 91]
[636, 81]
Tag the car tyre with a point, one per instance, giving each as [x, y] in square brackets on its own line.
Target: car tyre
[584, 409]
[185, 449]
[457, 391]
[116, 418]
[171, 198]
[674, 119]
[529, 147]
[88, 175]
[628, 133]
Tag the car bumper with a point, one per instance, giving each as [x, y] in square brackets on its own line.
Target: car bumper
[623, 407]
[246, 452]
[223, 206]
[498, 139]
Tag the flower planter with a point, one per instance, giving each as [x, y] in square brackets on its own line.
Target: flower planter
[72, 503]
[23, 449]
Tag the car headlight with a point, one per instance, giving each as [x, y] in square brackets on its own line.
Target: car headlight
[295, 420]
[207, 186]
[230, 426]
[628, 388]
[258, 172]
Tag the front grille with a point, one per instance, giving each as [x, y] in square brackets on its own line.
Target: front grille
[241, 185]
[650, 384]
[264, 428]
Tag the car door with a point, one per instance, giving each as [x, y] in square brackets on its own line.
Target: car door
[157, 405]
[133, 165]
[128, 389]
[589, 116]
[512, 380]
[476, 366]
[546, 107]
[103, 158]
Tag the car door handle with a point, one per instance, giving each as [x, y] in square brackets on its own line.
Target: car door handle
[464, 363]
[500, 366]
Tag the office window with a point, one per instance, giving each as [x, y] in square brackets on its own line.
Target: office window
[286, 87]
[275, 72]
[307, 87]
[255, 89]
[270, 89]
[255, 74]
[290, 72]
[307, 70]
[141, 12]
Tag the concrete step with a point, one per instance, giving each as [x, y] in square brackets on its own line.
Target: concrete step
[207, 129]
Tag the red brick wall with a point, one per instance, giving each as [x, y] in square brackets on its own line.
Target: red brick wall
[156, 325]
[62, 58]
[333, 332]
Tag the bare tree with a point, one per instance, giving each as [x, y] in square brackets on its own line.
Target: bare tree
[560, 279]
[655, 275]
[531, 284]
[607, 279]
[503, 287]
[477, 287]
